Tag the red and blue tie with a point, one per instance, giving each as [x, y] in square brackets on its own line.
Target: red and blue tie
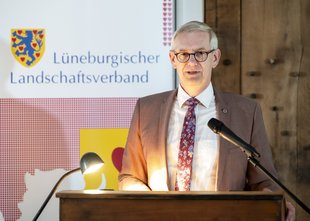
[186, 149]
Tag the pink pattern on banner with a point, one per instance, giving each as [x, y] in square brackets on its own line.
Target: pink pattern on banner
[167, 22]
[44, 134]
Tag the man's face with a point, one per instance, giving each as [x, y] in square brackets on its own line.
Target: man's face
[193, 75]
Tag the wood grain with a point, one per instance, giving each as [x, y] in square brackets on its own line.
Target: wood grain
[167, 206]
[274, 47]
[224, 17]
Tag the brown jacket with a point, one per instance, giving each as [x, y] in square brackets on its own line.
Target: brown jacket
[144, 164]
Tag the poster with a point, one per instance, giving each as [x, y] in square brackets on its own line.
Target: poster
[66, 66]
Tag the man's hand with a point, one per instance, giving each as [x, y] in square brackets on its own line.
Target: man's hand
[290, 214]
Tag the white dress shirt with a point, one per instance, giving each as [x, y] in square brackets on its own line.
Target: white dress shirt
[205, 159]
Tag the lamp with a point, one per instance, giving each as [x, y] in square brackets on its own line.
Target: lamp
[89, 163]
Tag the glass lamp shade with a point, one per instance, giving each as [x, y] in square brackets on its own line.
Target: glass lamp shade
[90, 162]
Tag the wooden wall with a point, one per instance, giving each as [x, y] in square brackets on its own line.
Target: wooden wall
[265, 48]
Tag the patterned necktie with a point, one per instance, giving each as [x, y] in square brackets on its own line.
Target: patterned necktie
[186, 149]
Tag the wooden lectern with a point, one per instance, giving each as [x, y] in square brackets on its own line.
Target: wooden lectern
[170, 206]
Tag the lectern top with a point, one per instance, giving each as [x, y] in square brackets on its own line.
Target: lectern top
[237, 195]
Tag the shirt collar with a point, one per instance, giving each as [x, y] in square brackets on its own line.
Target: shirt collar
[205, 97]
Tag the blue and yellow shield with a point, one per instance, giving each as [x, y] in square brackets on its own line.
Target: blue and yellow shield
[28, 45]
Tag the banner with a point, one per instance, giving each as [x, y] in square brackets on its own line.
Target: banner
[68, 66]
[75, 48]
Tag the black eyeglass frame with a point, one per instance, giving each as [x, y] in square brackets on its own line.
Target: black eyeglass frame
[194, 53]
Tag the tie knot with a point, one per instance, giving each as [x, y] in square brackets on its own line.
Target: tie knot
[192, 102]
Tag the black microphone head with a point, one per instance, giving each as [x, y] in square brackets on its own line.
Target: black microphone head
[215, 125]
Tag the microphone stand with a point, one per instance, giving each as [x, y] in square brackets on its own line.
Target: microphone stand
[256, 163]
[219, 128]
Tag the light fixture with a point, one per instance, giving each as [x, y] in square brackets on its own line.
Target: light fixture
[89, 163]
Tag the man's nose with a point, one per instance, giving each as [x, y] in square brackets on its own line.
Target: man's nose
[192, 59]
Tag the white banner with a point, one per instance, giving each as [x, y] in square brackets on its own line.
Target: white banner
[76, 48]
[101, 55]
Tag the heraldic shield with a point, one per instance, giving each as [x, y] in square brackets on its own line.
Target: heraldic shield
[28, 45]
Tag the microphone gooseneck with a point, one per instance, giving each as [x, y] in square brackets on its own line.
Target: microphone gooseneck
[219, 128]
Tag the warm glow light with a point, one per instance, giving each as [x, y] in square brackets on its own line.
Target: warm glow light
[93, 191]
[154, 184]
[93, 168]
[137, 187]
[154, 177]
[90, 162]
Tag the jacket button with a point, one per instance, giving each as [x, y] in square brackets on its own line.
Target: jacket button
[224, 110]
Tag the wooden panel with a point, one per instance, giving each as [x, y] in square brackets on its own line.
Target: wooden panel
[272, 52]
[274, 68]
[303, 110]
[167, 206]
[224, 17]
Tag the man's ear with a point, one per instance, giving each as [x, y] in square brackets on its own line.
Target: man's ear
[172, 59]
[216, 55]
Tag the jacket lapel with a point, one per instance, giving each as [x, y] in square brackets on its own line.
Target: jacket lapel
[224, 115]
[165, 112]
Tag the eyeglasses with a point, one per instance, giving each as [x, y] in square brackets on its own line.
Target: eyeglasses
[200, 56]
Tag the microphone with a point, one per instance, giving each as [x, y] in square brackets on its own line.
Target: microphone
[219, 128]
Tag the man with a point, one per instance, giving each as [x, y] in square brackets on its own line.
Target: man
[164, 154]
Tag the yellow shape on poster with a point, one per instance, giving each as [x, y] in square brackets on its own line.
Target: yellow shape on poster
[108, 144]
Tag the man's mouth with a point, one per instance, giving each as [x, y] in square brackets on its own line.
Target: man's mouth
[191, 72]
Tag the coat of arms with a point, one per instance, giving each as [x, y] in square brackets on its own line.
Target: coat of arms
[28, 45]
